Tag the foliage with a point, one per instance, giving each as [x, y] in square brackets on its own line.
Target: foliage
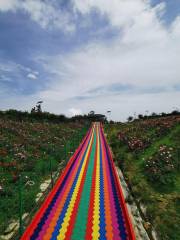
[148, 153]
[32, 149]
[155, 115]
[38, 115]
[139, 135]
[161, 166]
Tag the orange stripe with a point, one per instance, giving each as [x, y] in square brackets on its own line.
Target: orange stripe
[54, 220]
[109, 228]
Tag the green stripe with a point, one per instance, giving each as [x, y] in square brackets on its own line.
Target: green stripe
[82, 214]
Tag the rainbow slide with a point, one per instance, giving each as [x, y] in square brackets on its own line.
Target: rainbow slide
[86, 201]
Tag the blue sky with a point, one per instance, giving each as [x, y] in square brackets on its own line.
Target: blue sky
[82, 55]
[172, 9]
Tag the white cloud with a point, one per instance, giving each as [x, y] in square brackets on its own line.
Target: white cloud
[32, 76]
[4, 78]
[98, 65]
[74, 111]
[8, 5]
[144, 54]
[45, 13]
[14, 72]
[124, 105]
[176, 29]
[12, 67]
[121, 106]
[136, 19]
[119, 12]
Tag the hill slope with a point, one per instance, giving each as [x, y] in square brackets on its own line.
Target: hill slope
[34, 150]
[148, 153]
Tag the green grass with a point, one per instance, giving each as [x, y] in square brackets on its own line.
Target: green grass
[162, 201]
[36, 149]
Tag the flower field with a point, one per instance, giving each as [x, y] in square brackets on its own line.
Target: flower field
[148, 153]
[30, 154]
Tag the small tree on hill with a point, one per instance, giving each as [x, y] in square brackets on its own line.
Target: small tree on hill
[130, 118]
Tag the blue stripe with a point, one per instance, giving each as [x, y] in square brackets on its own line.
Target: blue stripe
[102, 209]
[65, 207]
[121, 222]
[49, 208]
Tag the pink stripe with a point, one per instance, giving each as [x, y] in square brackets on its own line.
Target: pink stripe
[48, 221]
[115, 225]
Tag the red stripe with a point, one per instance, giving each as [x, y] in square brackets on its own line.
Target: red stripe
[30, 229]
[75, 209]
[89, 226]
[116, 232]
[107, 204]
[63, 195]
[129, 226]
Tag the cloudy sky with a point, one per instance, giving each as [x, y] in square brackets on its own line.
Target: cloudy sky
[82, 55]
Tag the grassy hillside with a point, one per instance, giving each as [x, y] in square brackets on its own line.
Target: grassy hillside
[148, 152]
[34, 150]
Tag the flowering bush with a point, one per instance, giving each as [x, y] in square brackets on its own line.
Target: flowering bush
[134, 143]
[139, 135]
[138, 144]
[161, 165]
[121, 136]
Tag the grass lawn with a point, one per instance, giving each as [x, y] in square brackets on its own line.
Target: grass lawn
[148, 153]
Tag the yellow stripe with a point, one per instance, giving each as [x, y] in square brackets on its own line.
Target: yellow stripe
[96, 220]
[68, 214]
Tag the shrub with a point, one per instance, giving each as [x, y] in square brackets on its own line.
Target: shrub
[161, 166]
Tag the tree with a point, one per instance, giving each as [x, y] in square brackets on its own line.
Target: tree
[91, 112]
[33, 110]
[38, 108]
[130, 118]
[140, 116]
[154, 115]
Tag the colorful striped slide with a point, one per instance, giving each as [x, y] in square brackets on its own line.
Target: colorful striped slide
[86, 201]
